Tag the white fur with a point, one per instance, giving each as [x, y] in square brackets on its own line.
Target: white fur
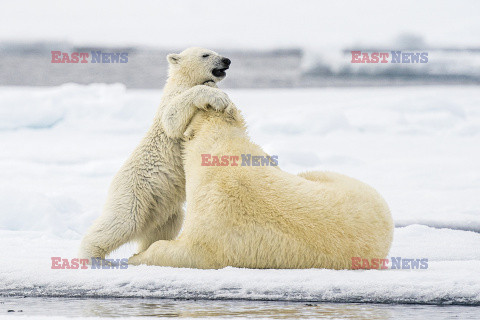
[146, 196]
[263, 217]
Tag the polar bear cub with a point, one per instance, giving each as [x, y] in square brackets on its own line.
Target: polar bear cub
[145, 198]
[263, 217]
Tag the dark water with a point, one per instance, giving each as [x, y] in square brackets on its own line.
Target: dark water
[166, 308]
[30, 64]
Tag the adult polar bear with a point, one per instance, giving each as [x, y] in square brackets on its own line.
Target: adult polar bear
[146, 196]
[263, 217]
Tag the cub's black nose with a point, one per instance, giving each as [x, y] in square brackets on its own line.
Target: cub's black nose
[226, 61]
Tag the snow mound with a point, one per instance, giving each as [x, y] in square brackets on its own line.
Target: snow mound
[451, 276]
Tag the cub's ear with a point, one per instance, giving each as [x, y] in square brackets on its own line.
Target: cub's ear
[173, 58]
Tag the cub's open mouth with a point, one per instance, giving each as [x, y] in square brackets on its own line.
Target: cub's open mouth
[217, 72]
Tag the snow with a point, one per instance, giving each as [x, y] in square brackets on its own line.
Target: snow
[451, 277]
[418, 146]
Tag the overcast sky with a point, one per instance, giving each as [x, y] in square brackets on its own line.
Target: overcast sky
[240, 24]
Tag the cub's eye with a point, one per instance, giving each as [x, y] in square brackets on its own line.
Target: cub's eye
[206, 55]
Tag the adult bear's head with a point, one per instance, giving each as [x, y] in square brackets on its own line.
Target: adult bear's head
[197, 66]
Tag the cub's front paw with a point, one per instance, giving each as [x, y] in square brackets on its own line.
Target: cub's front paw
[231, 111]
[214, 98]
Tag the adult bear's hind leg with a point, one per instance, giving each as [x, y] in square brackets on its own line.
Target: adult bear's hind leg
[166, 231]
[175, 253]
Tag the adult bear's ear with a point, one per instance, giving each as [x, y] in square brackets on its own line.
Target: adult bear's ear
[173, 58]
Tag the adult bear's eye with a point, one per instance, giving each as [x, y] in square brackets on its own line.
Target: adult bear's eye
[206, 55]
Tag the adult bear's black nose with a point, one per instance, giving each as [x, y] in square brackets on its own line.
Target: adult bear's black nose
[226, 61]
